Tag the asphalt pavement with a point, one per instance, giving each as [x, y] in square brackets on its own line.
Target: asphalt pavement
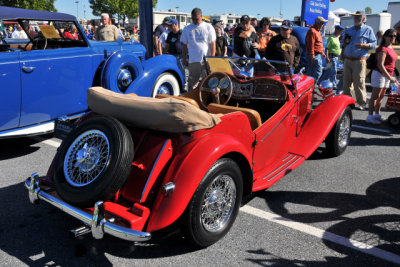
[342, 211]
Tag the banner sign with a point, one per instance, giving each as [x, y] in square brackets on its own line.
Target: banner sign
[311, 9]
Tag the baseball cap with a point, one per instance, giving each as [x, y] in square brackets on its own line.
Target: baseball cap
[245, 18]
[172, 21]
[287, 24]
[166, 20]
[359, 13]
[339, 27]
[320, 19]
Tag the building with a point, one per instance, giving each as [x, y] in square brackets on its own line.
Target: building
[378, 22]
[159, 15]
[394, 9]
[226, 18]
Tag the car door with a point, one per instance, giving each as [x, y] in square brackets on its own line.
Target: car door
[54, 83]
[273, 141]
[10, 90]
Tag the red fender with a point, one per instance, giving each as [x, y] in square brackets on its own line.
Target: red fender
[319, 124]
[187, 171]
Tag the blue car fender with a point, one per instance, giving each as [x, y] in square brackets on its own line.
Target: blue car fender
[153, 69]
[120, 70]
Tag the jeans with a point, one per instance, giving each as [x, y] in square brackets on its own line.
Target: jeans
[330, 73]
[316, 70]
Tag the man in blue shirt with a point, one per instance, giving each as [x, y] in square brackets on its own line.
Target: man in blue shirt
[357, 41]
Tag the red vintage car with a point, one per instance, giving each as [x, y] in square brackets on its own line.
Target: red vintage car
[137, 165]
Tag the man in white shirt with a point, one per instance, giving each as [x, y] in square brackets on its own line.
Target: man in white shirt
[198, 40]
[19, 33]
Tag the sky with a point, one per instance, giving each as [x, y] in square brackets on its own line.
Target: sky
[265, 8]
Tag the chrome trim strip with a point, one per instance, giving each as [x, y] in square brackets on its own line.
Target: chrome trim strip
[101, 226]
[35, 129]
[284, 169]
[283, 165]
[152, 170]
[54, 58]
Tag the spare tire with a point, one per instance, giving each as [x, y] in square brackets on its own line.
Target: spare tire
[93, 162]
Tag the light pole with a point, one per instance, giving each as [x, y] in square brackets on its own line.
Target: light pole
[77, 8]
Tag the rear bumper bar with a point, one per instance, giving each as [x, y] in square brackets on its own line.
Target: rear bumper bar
[97, 222]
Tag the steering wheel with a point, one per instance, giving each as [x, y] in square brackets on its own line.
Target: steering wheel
[35, 43]
[219, 85]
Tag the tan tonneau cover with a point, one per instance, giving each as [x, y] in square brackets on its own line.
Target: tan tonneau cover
[168, 114]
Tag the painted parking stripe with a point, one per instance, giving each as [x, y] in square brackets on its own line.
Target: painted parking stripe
[319, 233]
[371, 128]
[47, 141]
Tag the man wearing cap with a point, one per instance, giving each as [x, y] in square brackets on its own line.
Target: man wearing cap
[245, 42]
[198, 40]
[284, 46]
[332, 53]
[357, 41]
[315, 49]
[157, 33]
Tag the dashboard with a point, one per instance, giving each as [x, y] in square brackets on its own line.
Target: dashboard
[258, 88]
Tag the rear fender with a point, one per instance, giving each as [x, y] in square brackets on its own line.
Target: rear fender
[187, 171]
[320, 122]
[152, 68]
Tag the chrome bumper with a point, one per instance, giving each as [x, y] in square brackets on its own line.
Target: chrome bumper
[97, 222]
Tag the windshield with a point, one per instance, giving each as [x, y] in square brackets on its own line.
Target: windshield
[248, 68]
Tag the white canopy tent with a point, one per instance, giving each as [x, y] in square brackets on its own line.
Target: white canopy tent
[332, 21]
[341, 12]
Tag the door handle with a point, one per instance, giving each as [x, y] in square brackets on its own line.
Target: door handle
[28, 69]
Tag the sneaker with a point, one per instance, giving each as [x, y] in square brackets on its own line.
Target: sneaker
[378, 117]
[372, 120]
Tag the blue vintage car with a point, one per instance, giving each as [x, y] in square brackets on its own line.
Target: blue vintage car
[44, 75]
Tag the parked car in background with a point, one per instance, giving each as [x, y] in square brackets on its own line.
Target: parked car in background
[46, 76]
[191, 160]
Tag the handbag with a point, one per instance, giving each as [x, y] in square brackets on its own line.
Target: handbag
[371, 61]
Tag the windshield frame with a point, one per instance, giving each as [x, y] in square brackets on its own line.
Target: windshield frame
[288, 71]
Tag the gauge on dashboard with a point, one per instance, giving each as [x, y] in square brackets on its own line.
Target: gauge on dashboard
[224, 83]
[213, 82]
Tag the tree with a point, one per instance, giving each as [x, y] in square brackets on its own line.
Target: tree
[121, 8]
[368, 10]
[47, 5]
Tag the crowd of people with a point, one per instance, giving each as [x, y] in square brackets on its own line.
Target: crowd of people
[254, 39]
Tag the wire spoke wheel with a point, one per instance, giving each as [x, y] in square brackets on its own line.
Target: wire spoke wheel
[218, 203]
[86, 158]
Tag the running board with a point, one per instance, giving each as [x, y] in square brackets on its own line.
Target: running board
[43, 128]
[36, 129]
[287, 163]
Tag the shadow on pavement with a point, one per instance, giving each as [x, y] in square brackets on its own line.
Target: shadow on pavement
[38, 235]
[377, 231]
[14, 148]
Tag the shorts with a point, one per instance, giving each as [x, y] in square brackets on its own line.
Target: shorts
[378, 80]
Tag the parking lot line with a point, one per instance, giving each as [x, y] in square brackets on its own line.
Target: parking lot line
[371, 128]
[350, 243]
[47, 141]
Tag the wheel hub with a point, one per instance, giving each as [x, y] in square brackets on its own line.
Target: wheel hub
[124, 79]
[87, 158]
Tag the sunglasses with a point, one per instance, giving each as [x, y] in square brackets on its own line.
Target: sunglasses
[392, 35]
